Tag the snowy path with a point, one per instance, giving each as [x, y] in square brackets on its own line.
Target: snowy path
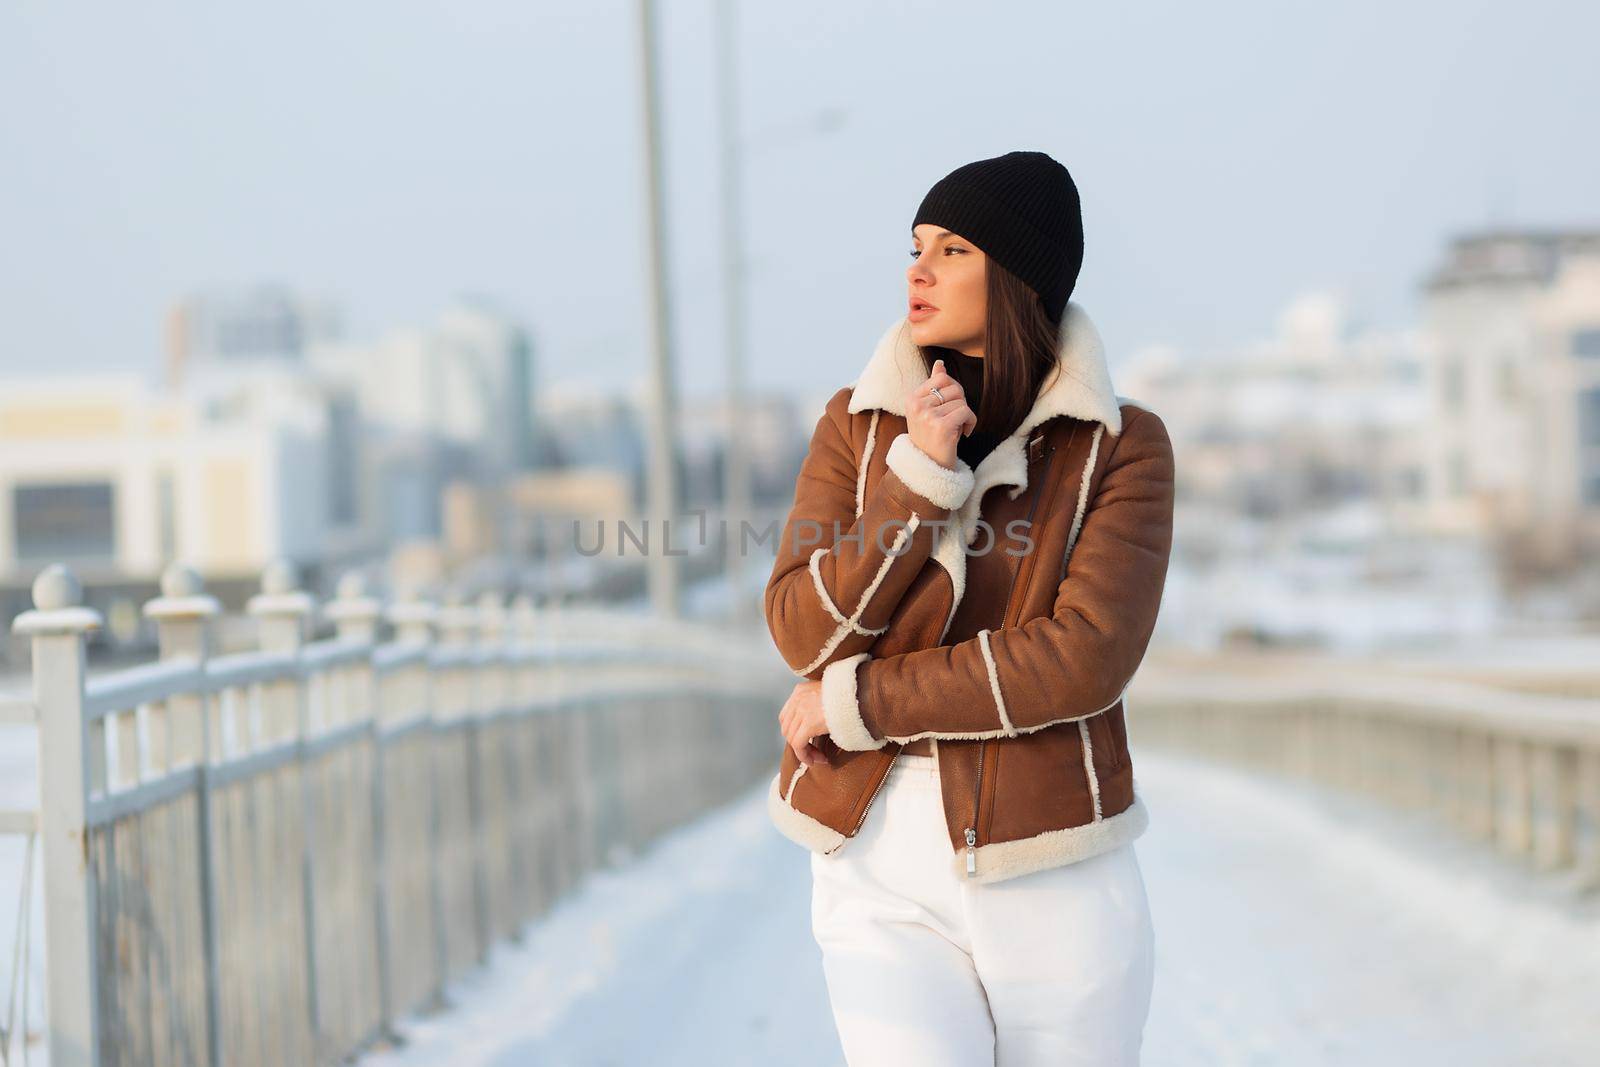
[1290, 930]
[698, 953]
[1305, 930]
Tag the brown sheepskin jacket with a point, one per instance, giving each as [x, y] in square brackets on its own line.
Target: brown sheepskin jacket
[1001, 610]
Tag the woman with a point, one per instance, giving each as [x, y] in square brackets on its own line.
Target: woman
[957, 757]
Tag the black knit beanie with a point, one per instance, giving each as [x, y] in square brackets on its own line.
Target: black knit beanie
[1021, 209]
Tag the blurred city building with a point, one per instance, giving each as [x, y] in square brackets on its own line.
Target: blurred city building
[1512, 320]
[1317, 415]
[117, 478]
[272, 435]
[774, 444]
[264, 324]
[1343, 485]
[1300, 465]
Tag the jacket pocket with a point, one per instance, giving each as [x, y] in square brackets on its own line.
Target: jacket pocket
[1108, 750]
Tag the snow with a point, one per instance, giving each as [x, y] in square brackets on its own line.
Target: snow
[698, 952]
[1338, 580]
[1298, 926]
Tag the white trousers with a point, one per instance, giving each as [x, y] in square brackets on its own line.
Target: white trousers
[1053, 967]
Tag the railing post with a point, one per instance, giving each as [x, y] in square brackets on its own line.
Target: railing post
[1514, 789]
[414, 620]
[497, 755]
[355, 617]
[283, 612]
[1588, 801]
[1553, 781]
[526, 618]
[1481, 793]
[459, 626]
[182, 615]
[524, 630]
[355, 614]
[57, 626]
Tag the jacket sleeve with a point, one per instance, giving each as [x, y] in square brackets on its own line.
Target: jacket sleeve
[1070, 664]
[842, 566]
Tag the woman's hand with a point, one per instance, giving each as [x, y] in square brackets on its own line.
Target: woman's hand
[801, 719]
[934, 427]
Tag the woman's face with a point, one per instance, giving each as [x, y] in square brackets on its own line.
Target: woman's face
[946, 274]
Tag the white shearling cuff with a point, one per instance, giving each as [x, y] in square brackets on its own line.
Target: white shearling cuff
[926, 475]
[839, 705]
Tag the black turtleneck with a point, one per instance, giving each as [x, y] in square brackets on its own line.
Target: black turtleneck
[968, 370]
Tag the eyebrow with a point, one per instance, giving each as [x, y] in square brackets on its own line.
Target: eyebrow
[936, 233]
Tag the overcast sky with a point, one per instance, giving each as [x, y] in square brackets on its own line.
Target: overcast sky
[390, 156]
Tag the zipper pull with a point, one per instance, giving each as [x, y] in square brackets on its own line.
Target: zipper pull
[972, 856]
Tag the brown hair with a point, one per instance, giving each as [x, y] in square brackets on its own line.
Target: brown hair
[1019, 349]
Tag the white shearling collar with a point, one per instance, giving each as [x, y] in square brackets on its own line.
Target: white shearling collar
[1079, 386]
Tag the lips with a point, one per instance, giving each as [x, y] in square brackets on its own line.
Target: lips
[918, 304]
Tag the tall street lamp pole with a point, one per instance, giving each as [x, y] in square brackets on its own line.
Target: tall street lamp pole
[662, 476]
[736, 469]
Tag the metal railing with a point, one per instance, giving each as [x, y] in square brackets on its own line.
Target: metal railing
[269, 856]
[1517, 770]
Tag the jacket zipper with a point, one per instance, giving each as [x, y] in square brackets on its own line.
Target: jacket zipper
[972, 833]
[977, 789]
[857, 828]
